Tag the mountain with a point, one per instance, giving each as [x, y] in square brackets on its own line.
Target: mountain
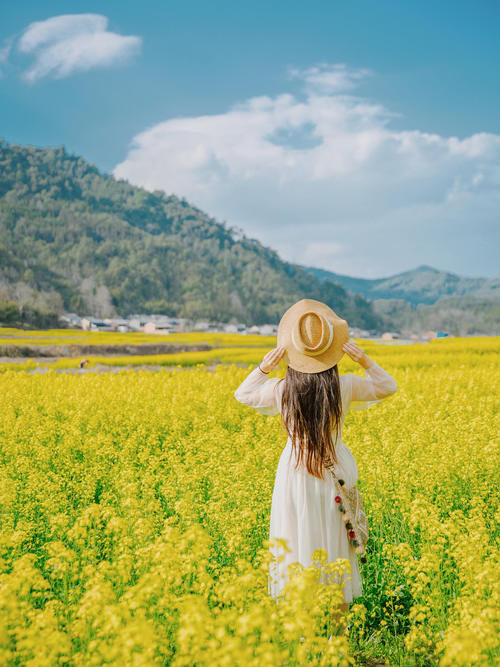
[421, 285]
[72, 238]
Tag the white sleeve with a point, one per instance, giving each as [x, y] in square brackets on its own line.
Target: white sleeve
[259, 392]
[371, 389]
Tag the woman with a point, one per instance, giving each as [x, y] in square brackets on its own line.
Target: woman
[313, 400]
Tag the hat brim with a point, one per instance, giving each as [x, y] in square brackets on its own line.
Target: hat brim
[300, 361]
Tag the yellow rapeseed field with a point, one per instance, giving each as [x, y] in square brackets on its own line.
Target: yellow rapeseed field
[20, 337]
[135, 511]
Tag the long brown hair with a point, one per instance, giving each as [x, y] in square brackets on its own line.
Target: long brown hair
[311, 415]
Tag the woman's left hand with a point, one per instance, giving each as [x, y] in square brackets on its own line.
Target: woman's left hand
[272, 359]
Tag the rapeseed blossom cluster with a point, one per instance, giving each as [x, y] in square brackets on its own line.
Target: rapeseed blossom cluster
[135, 513]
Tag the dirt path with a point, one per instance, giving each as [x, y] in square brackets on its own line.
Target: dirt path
[15, 352]
[104, 368]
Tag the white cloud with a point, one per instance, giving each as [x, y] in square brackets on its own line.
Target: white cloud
[330, 78]
[68, 43]
[393, 199]
[4, 53]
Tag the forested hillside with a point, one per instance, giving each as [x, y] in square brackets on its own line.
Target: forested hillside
[74, 239]
[423, 285]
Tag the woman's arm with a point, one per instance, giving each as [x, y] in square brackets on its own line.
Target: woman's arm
[374, 387]
[258, 390]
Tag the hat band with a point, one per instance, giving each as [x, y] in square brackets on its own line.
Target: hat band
[302, 349]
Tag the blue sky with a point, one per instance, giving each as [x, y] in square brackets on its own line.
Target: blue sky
[359, 137]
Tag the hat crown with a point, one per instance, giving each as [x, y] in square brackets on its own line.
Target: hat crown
[312, 333]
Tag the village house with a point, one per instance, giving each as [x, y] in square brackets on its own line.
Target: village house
[390, 335]
[95, 324]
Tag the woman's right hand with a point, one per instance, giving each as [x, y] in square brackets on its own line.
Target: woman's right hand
[272, 359]
[356, 354]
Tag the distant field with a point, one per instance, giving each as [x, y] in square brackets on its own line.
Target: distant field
[226, 349]
[76, 336]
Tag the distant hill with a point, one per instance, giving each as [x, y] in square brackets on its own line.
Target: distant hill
[457, 315]
[421, 285]
[425, 299]
[72, 238]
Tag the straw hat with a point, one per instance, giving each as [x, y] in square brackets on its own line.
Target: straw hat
[312, 335]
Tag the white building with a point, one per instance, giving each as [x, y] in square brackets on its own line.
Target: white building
[71, 319]
[158, 327]
[269, 329]
[390, 335]
[95, 324]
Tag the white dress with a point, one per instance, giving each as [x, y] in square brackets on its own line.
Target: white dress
[303, 510]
